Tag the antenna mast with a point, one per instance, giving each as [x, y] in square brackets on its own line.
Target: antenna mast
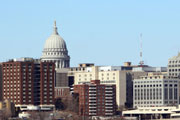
[141, 59]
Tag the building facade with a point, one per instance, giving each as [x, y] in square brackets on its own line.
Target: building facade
[62, 92]
[28, 82]
[121, 76]
[174, 66]
[155, 90]
[1, 82]
[96, 99]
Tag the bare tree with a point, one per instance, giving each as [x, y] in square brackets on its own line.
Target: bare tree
[71, 103]
[6, 113]
[37, 115]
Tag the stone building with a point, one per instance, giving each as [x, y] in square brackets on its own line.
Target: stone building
[174, 66]
[154, 90]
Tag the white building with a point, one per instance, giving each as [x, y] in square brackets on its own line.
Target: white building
[155, 90]
[148, 113]
[174, 66]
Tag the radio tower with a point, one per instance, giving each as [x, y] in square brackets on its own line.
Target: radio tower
[141, 63]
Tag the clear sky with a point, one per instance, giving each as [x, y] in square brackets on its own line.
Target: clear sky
[104, 32]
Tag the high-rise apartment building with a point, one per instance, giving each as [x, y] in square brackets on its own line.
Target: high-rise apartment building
[0, 81]
[27, 81]
[155, 90]
[96, 99]
[174, 66]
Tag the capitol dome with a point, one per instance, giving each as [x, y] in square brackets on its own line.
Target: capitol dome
[55, 50]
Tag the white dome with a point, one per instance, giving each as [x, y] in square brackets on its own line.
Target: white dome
[55, 41]
[55, 50]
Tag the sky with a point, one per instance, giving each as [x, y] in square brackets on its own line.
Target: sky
[104, 32]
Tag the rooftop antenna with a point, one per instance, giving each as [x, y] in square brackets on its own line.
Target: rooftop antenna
[141, 63]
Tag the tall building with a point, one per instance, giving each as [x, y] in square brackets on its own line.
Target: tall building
[155, 90]
[27, 81]
[96, 99]
[55, 50]
[174, 66]
[121, 76]
[0, 82]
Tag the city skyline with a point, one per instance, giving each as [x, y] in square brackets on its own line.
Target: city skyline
[100, 32]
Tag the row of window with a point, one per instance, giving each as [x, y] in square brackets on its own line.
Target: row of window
[174, 61]
[148, 102]
[155, 85]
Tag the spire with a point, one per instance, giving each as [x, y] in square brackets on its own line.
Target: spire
[55, 29]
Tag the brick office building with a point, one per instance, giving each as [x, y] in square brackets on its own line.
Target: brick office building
[96, 99]
[27, 81]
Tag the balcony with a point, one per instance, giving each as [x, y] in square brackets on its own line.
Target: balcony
[109, 101]
[90, 94]
[94, 110]
[92, 101]
[92, 91]
[108, 107]
[92, 104]
[92, 113]
[108, 91]
[109, 94]
[92, 97]
[108, 104]
[108, 113]
[92, 107]
[108, 88]
[109, 110]
[109, 97]
[92, 88]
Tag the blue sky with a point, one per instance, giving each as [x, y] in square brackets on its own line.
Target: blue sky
[104, 32]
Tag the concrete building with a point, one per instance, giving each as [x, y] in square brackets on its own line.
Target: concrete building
[155, 90]
[96, 99]
[27, 81]
[174, 66]
[55, 50]
[149, 113]
[61, 77]
[121, 76]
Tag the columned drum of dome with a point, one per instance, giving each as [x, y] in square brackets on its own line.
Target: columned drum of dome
[55, 50]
